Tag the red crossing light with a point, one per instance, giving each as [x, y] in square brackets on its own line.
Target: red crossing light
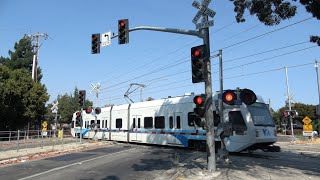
[247, 96]
[88, 110]
[228, 97]
[198, 100]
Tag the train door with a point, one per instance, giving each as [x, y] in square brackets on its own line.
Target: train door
[136, 125]
[171, 136]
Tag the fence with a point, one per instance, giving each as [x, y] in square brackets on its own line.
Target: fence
[22, 139]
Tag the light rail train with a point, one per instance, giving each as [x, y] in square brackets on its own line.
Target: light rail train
[172, 121]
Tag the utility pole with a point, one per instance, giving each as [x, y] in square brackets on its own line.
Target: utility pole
[289, 102]
[35, 37]
[317, 71]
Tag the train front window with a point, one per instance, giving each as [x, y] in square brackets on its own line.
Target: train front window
[260, 114]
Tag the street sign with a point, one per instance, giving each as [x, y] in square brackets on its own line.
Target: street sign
[306, 120]
[45, 124]
[307, 133]
[106, 39]
[307, 127]
[204, 24]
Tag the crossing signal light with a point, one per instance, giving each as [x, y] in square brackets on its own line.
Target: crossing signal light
[246, 96]
[88, 110]
[200, 109]
[229, 97]
[123, 31]
[95, 43]
[198, 56]
[97, 110]
[82, 97]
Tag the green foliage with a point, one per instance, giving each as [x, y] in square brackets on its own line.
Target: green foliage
[272, 12]
[21, 57]
[150, 99]
[21, 99]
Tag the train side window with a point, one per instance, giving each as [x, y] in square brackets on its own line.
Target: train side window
[134, 123]
[106, 124]
[148, 122]
[193, 118]
[170, 122]
[178, 122]
[138, 122]
[237, 121]
[102, 126]
[159, 122]
[98, 123]
[119, 123]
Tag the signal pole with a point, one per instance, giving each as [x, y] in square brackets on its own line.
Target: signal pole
[317, 71]
[96, 89]
[35, 37]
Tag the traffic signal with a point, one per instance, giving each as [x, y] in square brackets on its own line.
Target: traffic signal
[97, 110]
[82, 97]
[198, 56]
[229, 97]
[88, 110]
[95, 43]
[200, 109]
[123, 31]
[246, 96]
[78, 116]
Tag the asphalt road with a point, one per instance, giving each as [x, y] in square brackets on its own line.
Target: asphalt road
[119, 161]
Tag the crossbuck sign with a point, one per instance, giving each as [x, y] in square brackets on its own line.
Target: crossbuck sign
[203, 11]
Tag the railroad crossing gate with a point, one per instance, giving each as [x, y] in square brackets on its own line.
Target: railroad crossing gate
[307, 127]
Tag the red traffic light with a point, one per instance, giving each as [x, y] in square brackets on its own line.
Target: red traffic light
[88, 110]
[97, 110]
[247, 96]
[122, 24]
[228, 97]
[196, 53]
[198, 100]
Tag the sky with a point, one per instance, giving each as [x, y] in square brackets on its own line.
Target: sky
[254, 55]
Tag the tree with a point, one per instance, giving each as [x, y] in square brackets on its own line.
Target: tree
[150, 99]
[272, 12]
[21, 57]
[21, 99]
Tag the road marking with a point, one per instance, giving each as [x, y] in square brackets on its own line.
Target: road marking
[77, 163]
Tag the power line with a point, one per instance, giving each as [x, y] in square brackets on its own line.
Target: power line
[255, 37]
[263, 52]
[265, 59]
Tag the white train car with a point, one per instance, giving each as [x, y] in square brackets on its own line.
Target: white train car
[171, 121]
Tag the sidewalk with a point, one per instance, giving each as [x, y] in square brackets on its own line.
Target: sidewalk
[14, 156]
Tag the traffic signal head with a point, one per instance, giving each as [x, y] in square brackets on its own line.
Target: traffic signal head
[88, 110]
[78, 115]
[198, 56]
[97, 110]
[229, 97]
[82, 97]
[247, 96]
[123, 31]
[200, 109]
[95, 43]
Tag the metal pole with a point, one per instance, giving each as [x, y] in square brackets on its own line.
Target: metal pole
[211, 157]
[221, 87]
[317, 71]
[81, 126]
[18, 140]
[289, 102]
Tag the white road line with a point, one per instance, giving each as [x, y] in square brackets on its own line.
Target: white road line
[77, 163]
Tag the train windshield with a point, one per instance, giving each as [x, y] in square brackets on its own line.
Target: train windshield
[260, 114]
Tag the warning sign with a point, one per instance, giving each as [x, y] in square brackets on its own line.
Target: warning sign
[306, 120]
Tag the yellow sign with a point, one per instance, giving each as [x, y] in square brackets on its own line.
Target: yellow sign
[306, 120]
[307, 127]
[60, 134]
[44, 129]
[45, 124]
